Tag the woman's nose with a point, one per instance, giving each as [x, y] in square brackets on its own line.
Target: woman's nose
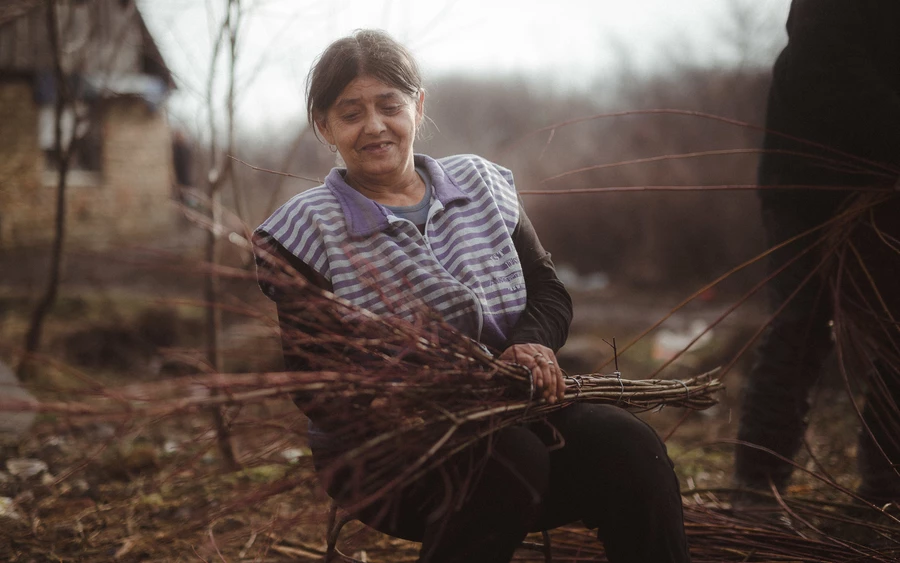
[374, 123]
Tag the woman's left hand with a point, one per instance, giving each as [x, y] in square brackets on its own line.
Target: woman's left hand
[548, 380]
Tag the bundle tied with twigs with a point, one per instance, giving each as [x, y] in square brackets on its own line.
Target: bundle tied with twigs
[401, 396]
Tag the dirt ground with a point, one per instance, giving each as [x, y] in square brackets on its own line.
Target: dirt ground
[156, 489]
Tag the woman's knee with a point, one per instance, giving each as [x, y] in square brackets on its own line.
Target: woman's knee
[608, 434]
[606, 422]
[519, 455]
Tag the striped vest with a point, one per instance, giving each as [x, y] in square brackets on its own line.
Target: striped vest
[465, 266]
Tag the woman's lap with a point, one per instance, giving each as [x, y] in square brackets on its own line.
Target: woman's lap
[575, 464]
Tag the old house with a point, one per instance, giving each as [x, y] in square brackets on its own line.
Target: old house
[121, 174]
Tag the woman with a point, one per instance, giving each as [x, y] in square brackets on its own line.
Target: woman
[394, 231]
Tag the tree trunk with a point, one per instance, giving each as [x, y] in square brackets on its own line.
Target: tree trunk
[214, 326]
[219, 174]
[26, 367]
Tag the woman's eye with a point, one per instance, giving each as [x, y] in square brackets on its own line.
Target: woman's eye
[391, 109]
[349, 116]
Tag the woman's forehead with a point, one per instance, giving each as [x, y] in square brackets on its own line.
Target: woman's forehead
[366, 88]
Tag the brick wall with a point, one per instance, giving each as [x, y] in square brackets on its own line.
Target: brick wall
[129, 203]
[133, 203]
[21, 197]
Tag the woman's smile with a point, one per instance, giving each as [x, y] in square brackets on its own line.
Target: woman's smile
[377, 147]
[373, 126]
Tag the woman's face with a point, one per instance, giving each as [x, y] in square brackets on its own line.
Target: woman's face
[373, 126]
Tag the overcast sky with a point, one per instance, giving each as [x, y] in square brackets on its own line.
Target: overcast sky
[565, 44]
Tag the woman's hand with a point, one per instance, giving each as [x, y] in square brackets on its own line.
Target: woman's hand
[545, 373]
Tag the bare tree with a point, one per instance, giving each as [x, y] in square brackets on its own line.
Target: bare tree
[220, 174]
[64, 149]
[81, 39]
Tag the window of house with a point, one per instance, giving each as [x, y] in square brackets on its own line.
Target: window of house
[80, 129]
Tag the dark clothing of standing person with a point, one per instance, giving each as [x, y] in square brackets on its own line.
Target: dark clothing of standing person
[396, 233]
[833, 121]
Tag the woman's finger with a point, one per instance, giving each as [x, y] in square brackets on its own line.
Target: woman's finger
[549, 376]
[554, 370]
[556, 385]
[540, 381]
[560, 384]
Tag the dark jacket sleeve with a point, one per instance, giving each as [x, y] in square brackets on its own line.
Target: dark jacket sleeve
[277, 272]
[548, 310]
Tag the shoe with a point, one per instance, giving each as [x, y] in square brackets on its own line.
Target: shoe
[759, 504]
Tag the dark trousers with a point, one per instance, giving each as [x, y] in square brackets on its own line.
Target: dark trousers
[594, 463]
[775, 401]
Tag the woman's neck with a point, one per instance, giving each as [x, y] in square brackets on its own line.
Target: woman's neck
[408, 189]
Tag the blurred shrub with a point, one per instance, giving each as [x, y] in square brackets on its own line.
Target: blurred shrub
[160, 328]
[114, 347]
[133, 347]
[649, 240]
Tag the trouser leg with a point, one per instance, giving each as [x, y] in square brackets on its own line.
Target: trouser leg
[870, 299]
[775, 403]
[879, 439]
[476, 507]
[613, 473]
[775, 398]
[502, 505]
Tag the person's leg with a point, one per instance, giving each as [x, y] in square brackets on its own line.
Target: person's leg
[870, 306]
[775, 398]
[501, 504]
[878, 454]
[613, 473]
[478, 506]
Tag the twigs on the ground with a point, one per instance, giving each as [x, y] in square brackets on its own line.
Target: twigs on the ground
[402, 395]
[762, 532]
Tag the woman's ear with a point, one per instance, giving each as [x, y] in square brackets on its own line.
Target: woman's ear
[420, 105]
[322, 126]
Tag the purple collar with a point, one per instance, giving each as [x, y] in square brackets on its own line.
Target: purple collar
[366, 217]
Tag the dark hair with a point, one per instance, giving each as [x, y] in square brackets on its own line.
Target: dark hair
[367, 52]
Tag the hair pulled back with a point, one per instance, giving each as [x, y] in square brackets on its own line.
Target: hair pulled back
[367, 52]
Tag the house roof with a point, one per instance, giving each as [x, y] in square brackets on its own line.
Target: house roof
[14, 9]
[152, 55]
[153, 61]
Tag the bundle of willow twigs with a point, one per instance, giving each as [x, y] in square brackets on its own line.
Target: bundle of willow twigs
[402, 395]
[200, 391]
[402, 417]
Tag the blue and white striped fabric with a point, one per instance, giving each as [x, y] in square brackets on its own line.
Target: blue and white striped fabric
[464, 267]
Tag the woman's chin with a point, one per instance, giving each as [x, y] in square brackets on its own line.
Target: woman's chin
[379, 165]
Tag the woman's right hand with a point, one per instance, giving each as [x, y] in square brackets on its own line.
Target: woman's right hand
[547, 377]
